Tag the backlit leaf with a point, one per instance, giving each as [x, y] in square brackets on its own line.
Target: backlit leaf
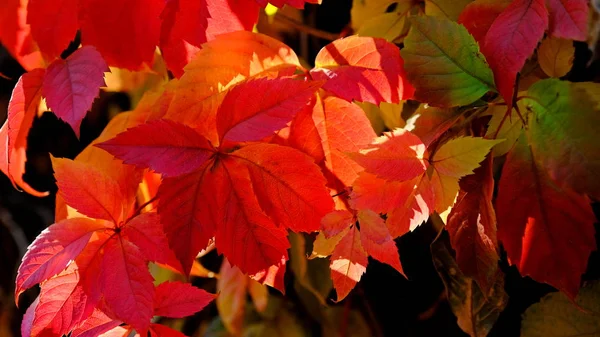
[176, 299]
[53, 24]
[376, 240]
[444, 64]
[71, 85]
[348, 263]
[363, 69]
[15, 34]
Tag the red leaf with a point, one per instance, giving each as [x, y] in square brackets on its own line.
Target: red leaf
[15, 34]
[177, 300]
[182, 208]
[245, 234]
[336, 222]
[569, 19]
[472, 227]
[88, 190]
[377, 241]
[126, 33]
[294, 3]
[511, 39]
[187, 24]
[95, 325]
[547, 231]
[147, 233]
[52, 250]
[272, 277]
[289, 187]
[479, 15]
[157, 330]
[22, 109]
[255, 109]
[393, 150]
[27, 322]
[164, 146]
[364, 69]
[127, 284]
[71, 85]
[53, 24]
[328, 130]
[62, 305]
[348, 263]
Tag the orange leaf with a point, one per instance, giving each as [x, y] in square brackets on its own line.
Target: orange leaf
[348, 263]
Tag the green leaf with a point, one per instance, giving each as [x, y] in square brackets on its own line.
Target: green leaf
[563, 133]
[444, 64]
[556, 316]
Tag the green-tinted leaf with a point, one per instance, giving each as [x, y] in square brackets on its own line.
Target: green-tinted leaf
[388, 26]
[450, 9]
[475, 311]
[556, 316]
[444, 64]
[563, 133]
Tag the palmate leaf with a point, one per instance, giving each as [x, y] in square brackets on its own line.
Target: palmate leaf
[444, 64]
[541, 221]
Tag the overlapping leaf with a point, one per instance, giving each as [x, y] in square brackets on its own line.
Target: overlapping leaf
[53, 24]
[444, 64]
[568, 19]
[15, 34]
[479, 15]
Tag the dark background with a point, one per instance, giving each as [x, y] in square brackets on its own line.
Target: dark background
[394, 305]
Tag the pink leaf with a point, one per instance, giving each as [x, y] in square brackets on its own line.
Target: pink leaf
[177, 300]
[71, 85]
[569, 19]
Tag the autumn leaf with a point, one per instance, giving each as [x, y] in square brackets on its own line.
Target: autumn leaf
[472, 227]
[176, 299]
[376, 239]
[478, 16]
[557, 316]
[387, 153]
[363, 69]
[294, 3]
[53, 25]
[540, 221]
[71, 85]
[15, 34]
[560, 139]
[568, 19]
[504, 126]
[556, 56]
[521, 24]
[348, 263]
[231, 301]
[22, 110]
[125, 33]
[158, 330]
[187, 24]
[446, 9]
[444, 64]
[95, 325]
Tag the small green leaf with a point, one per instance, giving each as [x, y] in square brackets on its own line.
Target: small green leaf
[444, 64]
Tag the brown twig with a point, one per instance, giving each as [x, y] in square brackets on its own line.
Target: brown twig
[306, 29]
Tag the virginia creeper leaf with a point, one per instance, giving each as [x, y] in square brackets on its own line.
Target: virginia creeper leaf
[165, 146]
[147, 233]
[561, 133]
[511, 39]
[124, 32]
[556, 56]
[52, 250]
[335, 222]
[177, 300]
[557, 316]
[187, 24]
[95, 325]
[479, 15]
[255, 109]
[158, 330]
[348, 263]
[445, 8]
[222, 62]
[414, 208]
[460, 156]
[540, 221]
[15, 34]
[568, 19]
[22, 109]
[62, 305]
[328, 129]
[26, 323]
[444, 64]
[472, 227]
[231, 301]
[88, 190]
[289, 186]
[389, 152]
[376, 240]
[503, 126]
[53, 24]
[363, 69]
[71, 85]
[127, 284]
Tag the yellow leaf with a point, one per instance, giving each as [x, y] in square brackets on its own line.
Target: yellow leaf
[450, 9]
[556, 56]
[504, 127]
[460, 156]
[388, 26]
